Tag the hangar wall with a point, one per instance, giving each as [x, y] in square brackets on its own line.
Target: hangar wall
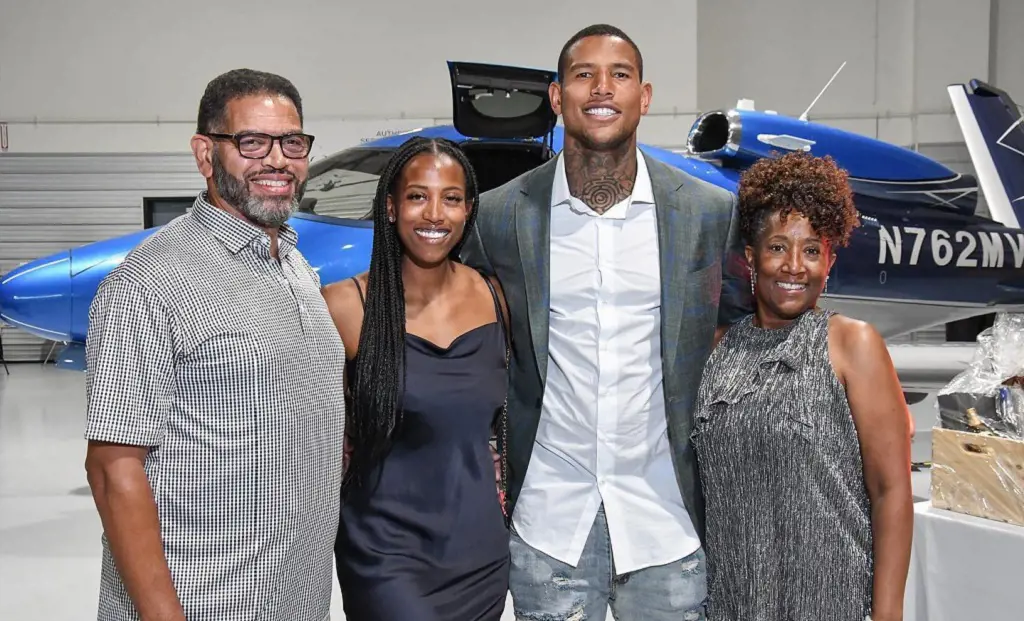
[365, 69]
[352, 62]
[50, 203]
[100, 97]
[900, 55]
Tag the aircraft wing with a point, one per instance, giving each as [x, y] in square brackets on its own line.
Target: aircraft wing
[927, 368]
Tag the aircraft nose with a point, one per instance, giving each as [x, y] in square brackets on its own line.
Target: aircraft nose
[36, 297]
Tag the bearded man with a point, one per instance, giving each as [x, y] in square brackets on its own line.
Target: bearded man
[215, 417]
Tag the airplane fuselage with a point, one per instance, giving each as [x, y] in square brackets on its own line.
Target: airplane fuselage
[922, 257]
[910, 267]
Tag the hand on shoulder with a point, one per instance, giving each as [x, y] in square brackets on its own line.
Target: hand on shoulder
[720, 332]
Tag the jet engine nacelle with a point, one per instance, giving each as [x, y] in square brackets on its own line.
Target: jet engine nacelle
[737, 138]
[740, 137]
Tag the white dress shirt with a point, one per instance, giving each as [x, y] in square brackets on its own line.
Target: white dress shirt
[602, 435]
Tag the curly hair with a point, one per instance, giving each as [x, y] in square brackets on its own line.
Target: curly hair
[814, 187]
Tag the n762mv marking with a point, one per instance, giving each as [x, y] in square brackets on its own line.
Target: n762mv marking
[943, 247]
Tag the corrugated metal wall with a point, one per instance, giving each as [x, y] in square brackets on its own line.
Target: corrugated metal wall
[50, 203]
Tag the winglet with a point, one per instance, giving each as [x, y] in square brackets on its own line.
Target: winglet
[994, 132]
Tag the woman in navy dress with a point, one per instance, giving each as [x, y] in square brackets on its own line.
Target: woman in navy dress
[422, 536]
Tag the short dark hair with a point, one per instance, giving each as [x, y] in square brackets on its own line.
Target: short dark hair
[240, 83]
[597, 30]
[814, 187]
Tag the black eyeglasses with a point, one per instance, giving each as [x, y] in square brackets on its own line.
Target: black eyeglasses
[255, 146]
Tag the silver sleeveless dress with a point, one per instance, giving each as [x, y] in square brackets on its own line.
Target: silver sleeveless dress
[788, 516]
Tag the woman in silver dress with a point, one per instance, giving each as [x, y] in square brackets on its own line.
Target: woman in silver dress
[801, 433]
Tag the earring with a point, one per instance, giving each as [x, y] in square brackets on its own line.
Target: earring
[826, 285]
[753, 279]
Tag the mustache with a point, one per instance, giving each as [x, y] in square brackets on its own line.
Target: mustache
[270, 171]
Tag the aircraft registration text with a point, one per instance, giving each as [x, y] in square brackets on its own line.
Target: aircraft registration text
[905, 245]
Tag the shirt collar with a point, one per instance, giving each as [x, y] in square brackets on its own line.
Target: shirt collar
[643, 191]
[236, 233]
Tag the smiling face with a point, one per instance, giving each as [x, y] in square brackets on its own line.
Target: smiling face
[791, 262]
[601, 97]
[267, 190]
[429, 207]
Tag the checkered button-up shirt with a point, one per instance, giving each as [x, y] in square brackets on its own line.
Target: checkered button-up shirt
[226, 363]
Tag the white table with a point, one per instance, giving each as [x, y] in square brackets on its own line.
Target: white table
[964, 568]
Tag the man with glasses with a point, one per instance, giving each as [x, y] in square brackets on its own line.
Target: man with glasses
[215, 408]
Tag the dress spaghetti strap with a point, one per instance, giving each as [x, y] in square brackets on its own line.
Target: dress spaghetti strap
[362, 300]
[498, 312]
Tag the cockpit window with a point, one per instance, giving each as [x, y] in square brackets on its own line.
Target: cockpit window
[344, 184]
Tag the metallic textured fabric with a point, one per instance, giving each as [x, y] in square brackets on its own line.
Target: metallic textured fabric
[788, 516]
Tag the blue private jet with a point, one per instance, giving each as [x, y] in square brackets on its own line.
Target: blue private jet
[921, 258]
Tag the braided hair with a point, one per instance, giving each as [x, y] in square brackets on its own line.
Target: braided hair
[380, 365]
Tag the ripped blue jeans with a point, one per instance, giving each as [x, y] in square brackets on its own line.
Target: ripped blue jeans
[544, 589]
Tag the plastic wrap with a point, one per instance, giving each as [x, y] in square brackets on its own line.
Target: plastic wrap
[988, 396]
[978, 444]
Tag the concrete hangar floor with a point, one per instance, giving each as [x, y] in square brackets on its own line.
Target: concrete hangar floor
[49, 528]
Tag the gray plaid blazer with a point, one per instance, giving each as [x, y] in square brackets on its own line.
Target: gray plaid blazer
[704, 284]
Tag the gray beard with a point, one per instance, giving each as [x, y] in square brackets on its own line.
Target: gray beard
[266, 212]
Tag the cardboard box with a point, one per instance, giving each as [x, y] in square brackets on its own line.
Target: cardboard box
[978, 475]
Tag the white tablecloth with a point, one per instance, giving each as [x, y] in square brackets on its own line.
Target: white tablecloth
[964, 568]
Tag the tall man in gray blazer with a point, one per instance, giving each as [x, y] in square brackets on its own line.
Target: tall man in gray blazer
[612, 265]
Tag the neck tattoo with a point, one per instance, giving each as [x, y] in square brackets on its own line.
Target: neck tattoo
[600, 179]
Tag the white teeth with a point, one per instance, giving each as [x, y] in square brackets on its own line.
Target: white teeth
[431, 234]
[271, 182]
[601, 111]
[789, 286]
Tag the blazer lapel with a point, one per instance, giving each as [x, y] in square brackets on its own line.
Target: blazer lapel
[533, 226]
[674, 249]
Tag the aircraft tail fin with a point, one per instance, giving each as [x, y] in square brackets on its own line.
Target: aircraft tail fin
[994, 132]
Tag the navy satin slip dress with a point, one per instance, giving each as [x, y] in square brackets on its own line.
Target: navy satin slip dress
[427, 541]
